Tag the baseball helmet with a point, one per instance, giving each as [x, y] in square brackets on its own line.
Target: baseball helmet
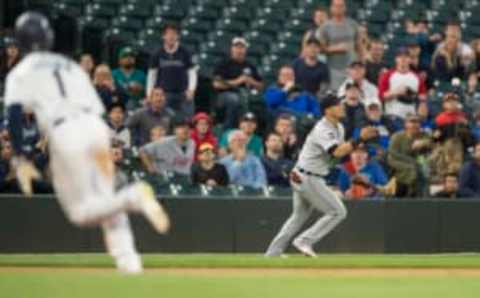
[33, 32]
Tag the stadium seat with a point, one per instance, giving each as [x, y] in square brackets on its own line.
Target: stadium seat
[188, 190]
[266, 26]
[238, 13]
[156, 23]
[231, 25]
[248, 192]
[204, 12]
[63, 8]
[197, 25]
[277, 191]
[99, 10]
[128, 23]
[170, 12]
[297, 25]
[278, 14]
[139, 10]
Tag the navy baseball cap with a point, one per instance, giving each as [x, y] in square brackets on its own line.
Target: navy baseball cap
[402, 51]
[330, 100]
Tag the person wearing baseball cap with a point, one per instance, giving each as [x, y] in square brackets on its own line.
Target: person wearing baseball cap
[400, 88]
[201, 132]
[310, 180]
[206, 170]
[356, 74]
[248, 125]
[127, 77]
[230, 76]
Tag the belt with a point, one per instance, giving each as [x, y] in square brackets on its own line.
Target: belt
[308, 173]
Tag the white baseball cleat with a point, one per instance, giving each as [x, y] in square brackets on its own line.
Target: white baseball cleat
[152, 209]
[305, 249]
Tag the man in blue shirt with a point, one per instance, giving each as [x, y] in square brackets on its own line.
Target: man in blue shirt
[359, 177]
[243, 168]
[171, 69]
[470, 176]
[286, 96]
[276, 165]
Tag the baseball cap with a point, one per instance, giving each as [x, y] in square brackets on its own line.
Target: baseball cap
[356, 63]
[330, 100]
[239, 41]
[126, 52]
[402, 51]
[249, 116]
[205, 147]
[412, 117]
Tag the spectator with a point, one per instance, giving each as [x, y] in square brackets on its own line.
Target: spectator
[470, 176]
[453, 36]
[415, 51]
[206, 170]
[404, 152]
[120, 179]
[354, 109]
[475, 45]
[202, 132]
[87, 63]
[356, 75]
[9, 58]
[339, 37]
[105, 86]
[453, 136]
[450, 188]
[116, 121]
[231, 76]
[157, 133]
[375, 64]
[154, 114]
[359, 178]
[276, 166]
[426, 41]
[310, 74]
[285, 128]
[447, 60]
[400, 88]
[128, 77]
[243, 168]
[286, 97]
[377, 146]
[172, 70]
[30, 135]
[171, 154]
[363, 41]
[248, 125]
[7, 174]
[476, 127]
[320, 16]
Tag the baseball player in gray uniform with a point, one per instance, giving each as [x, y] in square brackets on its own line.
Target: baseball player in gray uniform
[324, 144]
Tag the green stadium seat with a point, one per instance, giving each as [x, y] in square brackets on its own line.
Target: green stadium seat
[188, 190]
[281, 3]
[128, 23]
[221, 36]
[260, 39]
[277, 191]
[273, 13]
[150, 34]
[156, 23]
[290, 37]
[219, 4]
[170, 12]
[98, 10]
[138, 10]
[297, 25]
[73, 11]
[247, 192]
[266, 26]
[197, 25]
[286, 50]
[113, 3]
[252, 5]
[231, 25]
[238, 13]
[302, 14]
[223, 192]
[215, 48]
[203, 12]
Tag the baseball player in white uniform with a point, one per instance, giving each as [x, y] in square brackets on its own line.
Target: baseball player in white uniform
[68, 112]
[324, 144]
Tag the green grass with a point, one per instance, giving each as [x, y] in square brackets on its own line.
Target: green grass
[242, 284]
[106, 285]
[249, 261]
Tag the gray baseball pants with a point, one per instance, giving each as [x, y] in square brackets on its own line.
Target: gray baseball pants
[312, 193]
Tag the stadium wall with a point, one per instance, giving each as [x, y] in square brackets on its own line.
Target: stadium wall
[247, 225]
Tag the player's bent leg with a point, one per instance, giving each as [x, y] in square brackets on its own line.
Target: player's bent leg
[120, 244]
[325, 200]
[146, 203]
[300, 213]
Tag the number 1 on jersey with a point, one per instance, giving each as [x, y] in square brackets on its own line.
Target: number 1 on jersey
[58, 78]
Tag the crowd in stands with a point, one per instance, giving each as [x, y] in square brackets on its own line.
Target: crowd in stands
[423, 106]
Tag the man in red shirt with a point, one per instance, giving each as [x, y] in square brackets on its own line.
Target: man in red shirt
[400, 88]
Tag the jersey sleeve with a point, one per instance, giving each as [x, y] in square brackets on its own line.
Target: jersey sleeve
[15, 91]
[325, 138]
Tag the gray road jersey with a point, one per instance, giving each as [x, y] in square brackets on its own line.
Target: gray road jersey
[314, 156]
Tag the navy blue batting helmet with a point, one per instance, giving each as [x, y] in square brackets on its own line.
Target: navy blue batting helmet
[33, 32]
